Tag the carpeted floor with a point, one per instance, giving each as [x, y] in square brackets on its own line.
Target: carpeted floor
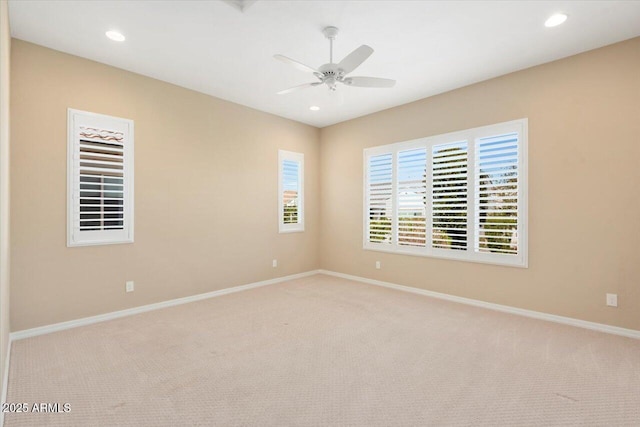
[326, 351]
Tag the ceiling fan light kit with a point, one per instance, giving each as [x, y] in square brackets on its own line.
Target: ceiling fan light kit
[331, 74]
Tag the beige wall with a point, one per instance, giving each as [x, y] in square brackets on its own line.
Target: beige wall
[584, 205]
[5, 46]
[205, 192]
[197, 156]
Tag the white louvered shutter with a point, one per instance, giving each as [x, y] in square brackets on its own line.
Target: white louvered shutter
[449, 196]
[291, 169]
[290, 191]
[379, 198]
[496, 194]
[412, 193]
[100, 179]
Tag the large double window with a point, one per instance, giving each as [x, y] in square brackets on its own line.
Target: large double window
[461, 195]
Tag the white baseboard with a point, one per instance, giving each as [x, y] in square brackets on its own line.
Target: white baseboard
[5, 381]
[27, 333]
[631, 333]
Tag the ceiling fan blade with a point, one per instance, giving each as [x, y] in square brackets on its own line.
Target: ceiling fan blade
[299, 65]
[355, 58]
[302, 86]
[369, 82]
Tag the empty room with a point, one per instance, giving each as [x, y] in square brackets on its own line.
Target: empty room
[319, 213]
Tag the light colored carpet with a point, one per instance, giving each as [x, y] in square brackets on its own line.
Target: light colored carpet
[327, 351]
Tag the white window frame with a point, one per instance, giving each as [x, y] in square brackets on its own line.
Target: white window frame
[469, 254]
[299, 158]
[76, 237]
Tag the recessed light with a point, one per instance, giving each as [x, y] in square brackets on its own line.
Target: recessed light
[115, 36]
[555, 20]
[314, 108]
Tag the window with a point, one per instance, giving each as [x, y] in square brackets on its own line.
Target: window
[100, 179]
[290, 191]
[461, 195]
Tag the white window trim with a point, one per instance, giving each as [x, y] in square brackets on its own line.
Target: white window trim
[470, 135]
[107, 237]
[296, 157]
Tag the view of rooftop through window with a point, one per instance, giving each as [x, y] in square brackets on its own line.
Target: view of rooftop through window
[290, 184]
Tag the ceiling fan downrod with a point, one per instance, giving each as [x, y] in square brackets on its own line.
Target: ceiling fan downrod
[330, 33]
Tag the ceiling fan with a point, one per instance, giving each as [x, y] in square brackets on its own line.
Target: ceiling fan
[331, 74]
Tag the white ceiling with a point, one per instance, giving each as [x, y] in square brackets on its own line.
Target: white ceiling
[225, 50]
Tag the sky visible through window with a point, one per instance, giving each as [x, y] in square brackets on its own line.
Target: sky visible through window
[290, 175]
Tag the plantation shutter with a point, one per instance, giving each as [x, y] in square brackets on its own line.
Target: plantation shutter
[291, 169]
[380, 198]
[100, 179]
[412, 193]
[496, 194]
[449, 196]
[290, 191]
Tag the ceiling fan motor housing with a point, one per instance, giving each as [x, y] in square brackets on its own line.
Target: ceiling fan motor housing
[331, 74]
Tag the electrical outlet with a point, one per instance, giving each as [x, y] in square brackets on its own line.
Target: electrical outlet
[612, 300]
[378, 265]
[275, 263]
[129, 287]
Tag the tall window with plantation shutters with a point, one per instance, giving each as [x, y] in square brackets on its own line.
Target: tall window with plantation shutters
[411, 193]
[459, 196]
[100, 179]
[496, 194]
[379, 187]
[449, 195]
[290, 191]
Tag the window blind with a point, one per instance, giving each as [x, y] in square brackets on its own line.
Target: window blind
[290, 194]
[290, 191]
[100, 179]
[101, 173]
[412, 193]
[496, 194]
[449, 196]
[380, 198]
